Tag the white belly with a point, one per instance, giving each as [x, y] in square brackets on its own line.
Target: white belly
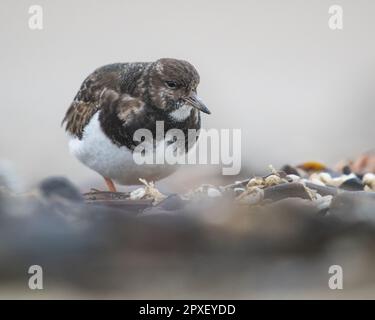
[99, 153]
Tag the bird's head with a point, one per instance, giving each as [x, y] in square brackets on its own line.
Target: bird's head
[173, 85]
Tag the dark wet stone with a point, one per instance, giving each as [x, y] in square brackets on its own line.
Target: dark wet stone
[60, 187]
[173, 204]
[96, 195]
[353, 206]
[286, 190]
[290, 170]
[352, 185]
[322, 190]
[131, 207]
[346, 170]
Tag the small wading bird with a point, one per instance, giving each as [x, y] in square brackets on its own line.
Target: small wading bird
[118, 99]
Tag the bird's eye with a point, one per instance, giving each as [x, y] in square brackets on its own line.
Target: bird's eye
[171, 84]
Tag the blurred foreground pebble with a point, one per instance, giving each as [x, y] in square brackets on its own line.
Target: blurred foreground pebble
[263, 237]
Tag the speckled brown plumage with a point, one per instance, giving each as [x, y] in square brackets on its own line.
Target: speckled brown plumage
[132, 96]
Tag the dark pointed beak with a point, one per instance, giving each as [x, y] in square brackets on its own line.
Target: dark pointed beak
[197, 103]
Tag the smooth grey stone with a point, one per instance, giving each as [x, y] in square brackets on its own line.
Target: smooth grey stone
[352, 185]
[354, 206]
[322, 190]
[61, 187]
[286, 190]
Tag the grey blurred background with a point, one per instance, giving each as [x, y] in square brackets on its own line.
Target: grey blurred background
[298, 90]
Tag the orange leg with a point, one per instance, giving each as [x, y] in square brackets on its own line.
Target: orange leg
[110, 184]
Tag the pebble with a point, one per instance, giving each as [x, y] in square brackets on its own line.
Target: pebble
[255, 196]
[273, 180]
[315, 181]
[324, 178]
[60, 187]
[286, 190]
[353, 184]
[346, 170]
[369, 180]
[323, 203]
[322, 190]
[354, 206]
[289, 170]
[257, 181]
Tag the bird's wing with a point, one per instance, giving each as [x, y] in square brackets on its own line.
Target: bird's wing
[121, 116]
[78, 116]
[88, 99]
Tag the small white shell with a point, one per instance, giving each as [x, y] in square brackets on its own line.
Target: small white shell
[294, 177]
[369, 181]
[213, 193]
[321, 178]
[137, 194]
[368, 177]
[316, 181]
[273, 180]
[326, 179]
[323, 202]
[257, 181]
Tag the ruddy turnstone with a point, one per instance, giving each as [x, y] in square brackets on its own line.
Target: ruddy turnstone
[116, 100]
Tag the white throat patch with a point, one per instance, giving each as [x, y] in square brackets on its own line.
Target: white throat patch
[181, 113]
